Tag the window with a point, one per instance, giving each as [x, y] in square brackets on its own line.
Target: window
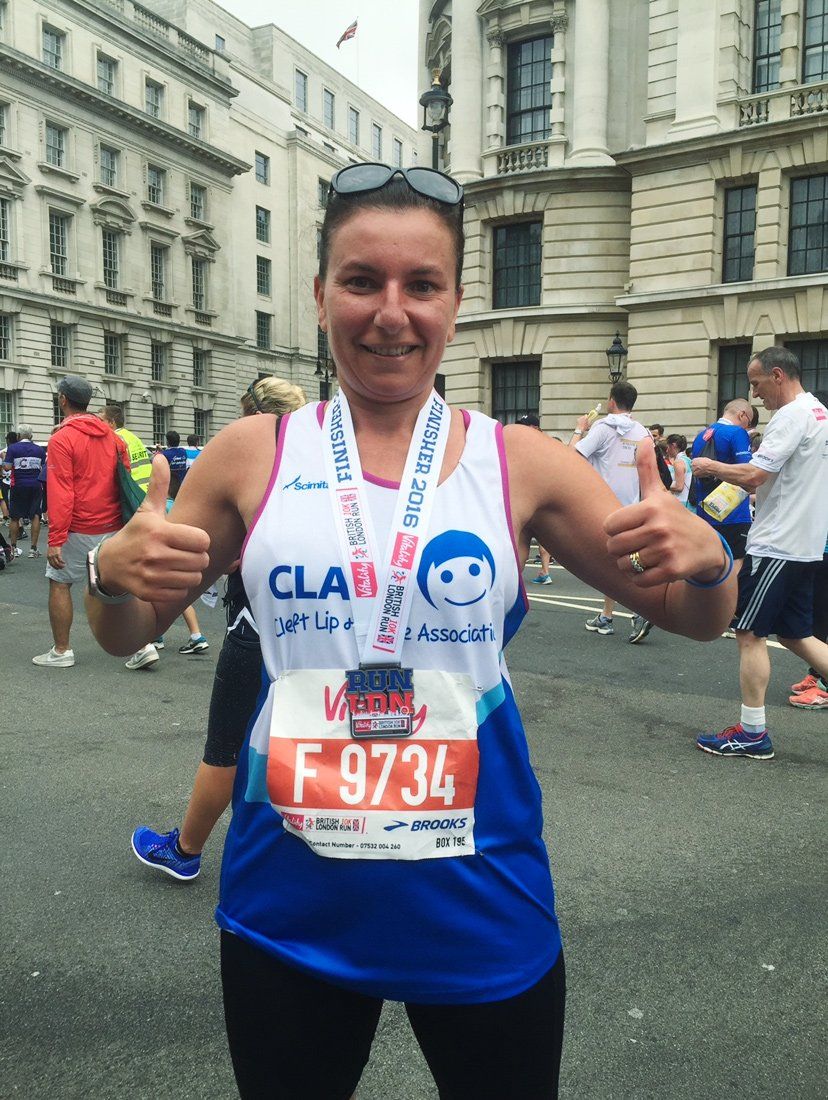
[353, 126]
[4, 123]
[195, 120]
[322, 189]
[262, 275]
[53, 48]
[262, 168]
[199, 368]
[318, 244]
[733, 361]
[57, 415]
[329, 109]
[739, 232]
[111, 242]
[58, 242]
[158, 271]
[5, 337]
[198, 202]
[59, 345]
[109, 166]
[324, 365]
[158, 361]
[7, 418]
[808, 235]
[107, 71]
[528, 90]
[55, 145]
[159, 423]
[201, 425]
[5, 230]
[220, 44]
[155, 184]
[813, 359]
[815, 55]
[515, 391]
[199, 270]
[376, 141]
[766, 53]
[517, 265]
[262, 224]
[263, 330]
[397, 157]
[153, 98]
[113, 361]
[3, 13]
[301, 91]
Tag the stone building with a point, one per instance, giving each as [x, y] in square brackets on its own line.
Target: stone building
[161, 169]
[660, 169]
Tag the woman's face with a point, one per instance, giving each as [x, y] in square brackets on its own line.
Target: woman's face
[389, 302]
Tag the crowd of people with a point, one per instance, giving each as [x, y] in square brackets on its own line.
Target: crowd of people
[362, 712]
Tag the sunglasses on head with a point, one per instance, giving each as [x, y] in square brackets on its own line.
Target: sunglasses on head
[251, 390]
[357, 179]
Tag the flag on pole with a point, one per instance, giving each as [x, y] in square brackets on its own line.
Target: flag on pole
[349, 32]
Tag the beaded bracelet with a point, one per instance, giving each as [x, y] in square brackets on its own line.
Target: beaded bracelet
[728, 569]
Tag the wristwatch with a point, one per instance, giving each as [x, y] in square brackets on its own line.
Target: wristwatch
[94, 585]
[577, 431]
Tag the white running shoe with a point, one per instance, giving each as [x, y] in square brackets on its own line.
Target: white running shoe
[143, 658]
[53, 659]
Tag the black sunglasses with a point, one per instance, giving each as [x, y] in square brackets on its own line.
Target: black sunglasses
[251, 390]
[357, 179]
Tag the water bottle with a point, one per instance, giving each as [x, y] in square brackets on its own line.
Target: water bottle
[593, 414]
[723, 500]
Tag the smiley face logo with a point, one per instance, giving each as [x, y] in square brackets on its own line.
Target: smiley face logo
[456, 570]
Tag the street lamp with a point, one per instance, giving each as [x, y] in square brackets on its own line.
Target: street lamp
[617, 359]
[325, 368]
[435, 103]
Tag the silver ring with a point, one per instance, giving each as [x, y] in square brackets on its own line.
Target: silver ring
[635, 561]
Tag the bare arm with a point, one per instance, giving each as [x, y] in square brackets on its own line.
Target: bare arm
[570, 510]
[745, 475]
[679, 477]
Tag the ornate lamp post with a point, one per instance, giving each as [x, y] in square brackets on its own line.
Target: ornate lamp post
[436, 103]
[617, 359]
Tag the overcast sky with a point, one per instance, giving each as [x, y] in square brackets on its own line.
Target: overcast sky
[382, 59]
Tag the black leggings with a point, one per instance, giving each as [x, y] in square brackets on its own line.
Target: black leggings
[821, 604]
[295, 1037]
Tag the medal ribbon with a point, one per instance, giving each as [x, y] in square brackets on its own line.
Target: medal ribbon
[381, 592]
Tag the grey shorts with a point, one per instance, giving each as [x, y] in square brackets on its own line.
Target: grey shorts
[74, 554]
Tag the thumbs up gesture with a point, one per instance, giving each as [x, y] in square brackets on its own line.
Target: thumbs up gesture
[150, 557]
[664, 539]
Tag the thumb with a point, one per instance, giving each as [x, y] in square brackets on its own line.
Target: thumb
[158, 488]
[649, 479]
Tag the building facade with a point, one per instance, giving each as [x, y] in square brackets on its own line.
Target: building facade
[161, 189]
[659, 169]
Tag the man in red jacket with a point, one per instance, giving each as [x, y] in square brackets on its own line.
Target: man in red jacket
[84, 504]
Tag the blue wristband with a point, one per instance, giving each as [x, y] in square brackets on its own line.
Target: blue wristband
[724, 576]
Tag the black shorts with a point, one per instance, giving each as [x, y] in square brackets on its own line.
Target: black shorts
[295, 1037]
[735, 535]
[236, 688]
[24, 501]
[776, 597]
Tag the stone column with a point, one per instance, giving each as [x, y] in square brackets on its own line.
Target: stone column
[495, 90]
[590, 84]
[559, 23]
[696, 69]
[790, 61]
[466, 90]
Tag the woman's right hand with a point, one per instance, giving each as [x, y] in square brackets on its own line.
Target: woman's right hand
[154, 559]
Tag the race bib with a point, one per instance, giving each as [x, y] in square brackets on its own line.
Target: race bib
[408, 796]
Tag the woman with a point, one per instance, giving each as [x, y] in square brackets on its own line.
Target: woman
[235, 688]
[682, 474]
[386, 835]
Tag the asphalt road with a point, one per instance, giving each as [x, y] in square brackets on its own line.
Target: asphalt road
[690, 889]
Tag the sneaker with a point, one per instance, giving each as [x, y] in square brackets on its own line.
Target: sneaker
[18, 553]
[542, 578]
[34, 552]
[22, 535]
[815, 699]
[53, 659]
[729, 633]
[640, 629]
[600, 625]
[733, 741]
[159, 642]
[143, 658]
[809, 682]
[536, 560]
[160, 850]
[195, 645]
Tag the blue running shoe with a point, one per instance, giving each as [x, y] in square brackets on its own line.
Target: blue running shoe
[733, 741]
[542, 578]
[159, 850]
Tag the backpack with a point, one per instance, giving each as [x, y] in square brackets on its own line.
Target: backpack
[663, 469]
[701, 486]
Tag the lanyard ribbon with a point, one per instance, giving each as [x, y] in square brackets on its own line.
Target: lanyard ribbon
[381, 591]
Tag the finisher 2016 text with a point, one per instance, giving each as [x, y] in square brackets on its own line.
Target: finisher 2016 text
[340, 450]
[425, 460]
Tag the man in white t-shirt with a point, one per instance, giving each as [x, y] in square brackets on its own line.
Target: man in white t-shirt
[785, 546]
[610, 446]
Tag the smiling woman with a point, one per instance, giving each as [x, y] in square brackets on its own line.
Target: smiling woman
[386, 841]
